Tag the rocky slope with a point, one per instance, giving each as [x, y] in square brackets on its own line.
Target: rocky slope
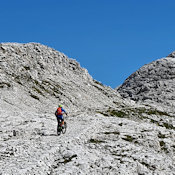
[154, 82]
[48, 77]
[106, 134]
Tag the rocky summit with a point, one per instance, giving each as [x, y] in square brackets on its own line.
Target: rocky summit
[154, 82]
[130, 131]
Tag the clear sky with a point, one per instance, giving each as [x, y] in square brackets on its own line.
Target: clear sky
[110, 38]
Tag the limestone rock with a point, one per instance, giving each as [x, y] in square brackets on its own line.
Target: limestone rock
[48, 77]
[154, 82]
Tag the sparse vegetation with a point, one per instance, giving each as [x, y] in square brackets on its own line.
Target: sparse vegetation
[154, 121]
[116, 113]
[120, 114]
[149, 111]
[168, 126]
[114, 132]
[156, 112]
[96, 141]
[162, 143]
[103, 113]
[67, 160]
[37, 90]
[128, 138]
[139, 113]
[51, 88]
[48, 87]
[17, 79]
[26, 67]
[163, 146]
[34, 96]
[162, 136]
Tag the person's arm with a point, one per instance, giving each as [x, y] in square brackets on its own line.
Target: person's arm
[64, 111]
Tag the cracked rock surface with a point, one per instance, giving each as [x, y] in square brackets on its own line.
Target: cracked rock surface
[154, 82]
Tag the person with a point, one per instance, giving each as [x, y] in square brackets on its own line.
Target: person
[59, 114]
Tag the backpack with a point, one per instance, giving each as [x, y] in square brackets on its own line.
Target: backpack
[59, 111]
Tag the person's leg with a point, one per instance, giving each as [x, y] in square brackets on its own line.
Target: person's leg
[58, 119]
[62, 120]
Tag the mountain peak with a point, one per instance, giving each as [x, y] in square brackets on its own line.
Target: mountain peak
[43, 72]
[172, 55]
[152, 82]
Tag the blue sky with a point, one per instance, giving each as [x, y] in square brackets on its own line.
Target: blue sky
[110, 38]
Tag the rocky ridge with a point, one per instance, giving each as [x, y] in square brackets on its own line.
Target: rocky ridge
[45, 74]
[107, 134]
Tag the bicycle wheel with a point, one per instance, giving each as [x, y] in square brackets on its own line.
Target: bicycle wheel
[59, 129]
[65, 127]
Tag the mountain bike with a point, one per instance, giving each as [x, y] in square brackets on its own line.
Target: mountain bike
[60, 128]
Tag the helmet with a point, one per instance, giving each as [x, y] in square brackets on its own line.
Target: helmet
[60, 106]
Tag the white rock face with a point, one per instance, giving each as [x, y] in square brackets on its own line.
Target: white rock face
[106, 133]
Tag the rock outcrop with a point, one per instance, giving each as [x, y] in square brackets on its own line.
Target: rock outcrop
[154, 82]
